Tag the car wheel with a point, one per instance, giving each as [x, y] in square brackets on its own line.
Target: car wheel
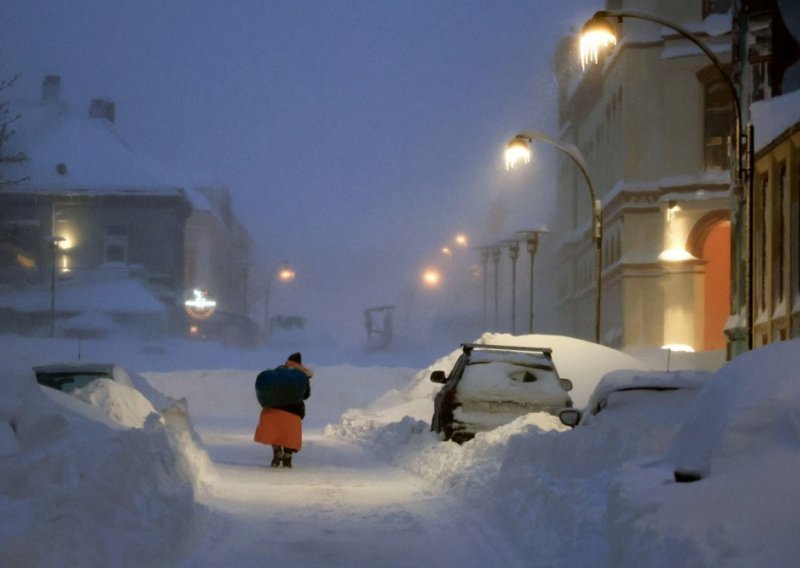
[461, 437]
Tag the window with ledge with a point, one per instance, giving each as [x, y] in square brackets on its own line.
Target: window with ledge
[716, 7]
[115, 244]
[718, 125]
[760, 241]
[778, 259]
[794, 222]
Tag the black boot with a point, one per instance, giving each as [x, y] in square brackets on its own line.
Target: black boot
[277, 455]
[287, 457]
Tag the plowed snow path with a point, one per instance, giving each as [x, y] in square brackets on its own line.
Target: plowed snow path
[339, 506]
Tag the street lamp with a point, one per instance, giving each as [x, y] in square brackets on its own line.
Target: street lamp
[532, 240]
[54, 241]
[484, 250]
[282, 272]
[519, 149]
[598, 33]
[431, 277]
[513, 254]
[494, 252]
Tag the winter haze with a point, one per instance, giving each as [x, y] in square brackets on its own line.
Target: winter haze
[356, 137]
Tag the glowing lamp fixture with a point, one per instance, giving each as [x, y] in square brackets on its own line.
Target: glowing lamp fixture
[461, 240]
[518, 149]
[447, 251]
[431, 277]
[200, 306]
[597, 34]
[678, 348]
[286, 274]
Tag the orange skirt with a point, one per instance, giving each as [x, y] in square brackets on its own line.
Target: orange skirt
[279, 428]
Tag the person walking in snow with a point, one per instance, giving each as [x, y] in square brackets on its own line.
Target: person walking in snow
[281, 393]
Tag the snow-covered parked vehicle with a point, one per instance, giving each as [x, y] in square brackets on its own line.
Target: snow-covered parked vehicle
[70, 376]
[652, 395]
[492, 385]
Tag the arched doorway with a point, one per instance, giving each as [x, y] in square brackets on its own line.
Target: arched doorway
[716, 253]
[710, 240]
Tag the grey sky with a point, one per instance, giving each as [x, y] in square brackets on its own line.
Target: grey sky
[343, 128]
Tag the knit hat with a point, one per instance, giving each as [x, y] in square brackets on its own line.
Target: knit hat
[296, 357]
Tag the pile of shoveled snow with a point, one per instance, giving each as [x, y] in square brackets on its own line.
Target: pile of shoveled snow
[104, 485]
[743, 439]
[604, 494]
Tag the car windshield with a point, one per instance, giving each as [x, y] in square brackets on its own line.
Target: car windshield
[503, 381]
[69, 381]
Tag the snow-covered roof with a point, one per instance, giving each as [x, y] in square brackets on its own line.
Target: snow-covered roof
[772, 117]
[122, 295]
[71, 151]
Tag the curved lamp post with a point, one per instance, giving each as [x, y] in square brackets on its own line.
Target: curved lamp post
[283, 272]
[519, 149]
[598, 33]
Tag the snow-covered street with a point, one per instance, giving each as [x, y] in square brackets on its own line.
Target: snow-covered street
[340, 506]
[106, 480]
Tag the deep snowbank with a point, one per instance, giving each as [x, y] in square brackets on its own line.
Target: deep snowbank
[743, 437]
[604, 494]
[108, 484]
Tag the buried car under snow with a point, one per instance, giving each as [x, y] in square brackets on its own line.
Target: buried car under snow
[71, 376]
[655, 396]
[491, 385]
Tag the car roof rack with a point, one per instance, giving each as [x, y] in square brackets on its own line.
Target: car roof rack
[468, 347]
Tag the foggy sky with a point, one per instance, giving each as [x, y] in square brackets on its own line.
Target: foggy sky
[356, 136]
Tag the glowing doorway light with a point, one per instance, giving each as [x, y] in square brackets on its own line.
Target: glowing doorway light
[675, 255]
[597, 34]
[517, 150]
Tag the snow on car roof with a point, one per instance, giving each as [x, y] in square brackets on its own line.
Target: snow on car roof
[630, 380]
[74, 368]
[516, 357]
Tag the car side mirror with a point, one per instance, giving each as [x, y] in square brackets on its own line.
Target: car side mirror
[570, 417]
[566, 384]
[438, 377]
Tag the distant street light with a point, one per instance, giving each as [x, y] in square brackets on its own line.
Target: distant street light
[54, 241]
[532, 240]
[513, 254]
[431, 277]
[283, 272]
[599, 33]
[519, 149]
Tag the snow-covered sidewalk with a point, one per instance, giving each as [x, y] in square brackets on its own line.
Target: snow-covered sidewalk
[339, 506]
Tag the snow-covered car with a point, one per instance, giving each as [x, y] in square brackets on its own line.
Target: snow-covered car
[653, 396]
[491, 385]
[73, 378]
[70, 376]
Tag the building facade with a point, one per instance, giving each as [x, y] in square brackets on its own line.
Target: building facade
[766, 68]
[654, 123]
[89, 208]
